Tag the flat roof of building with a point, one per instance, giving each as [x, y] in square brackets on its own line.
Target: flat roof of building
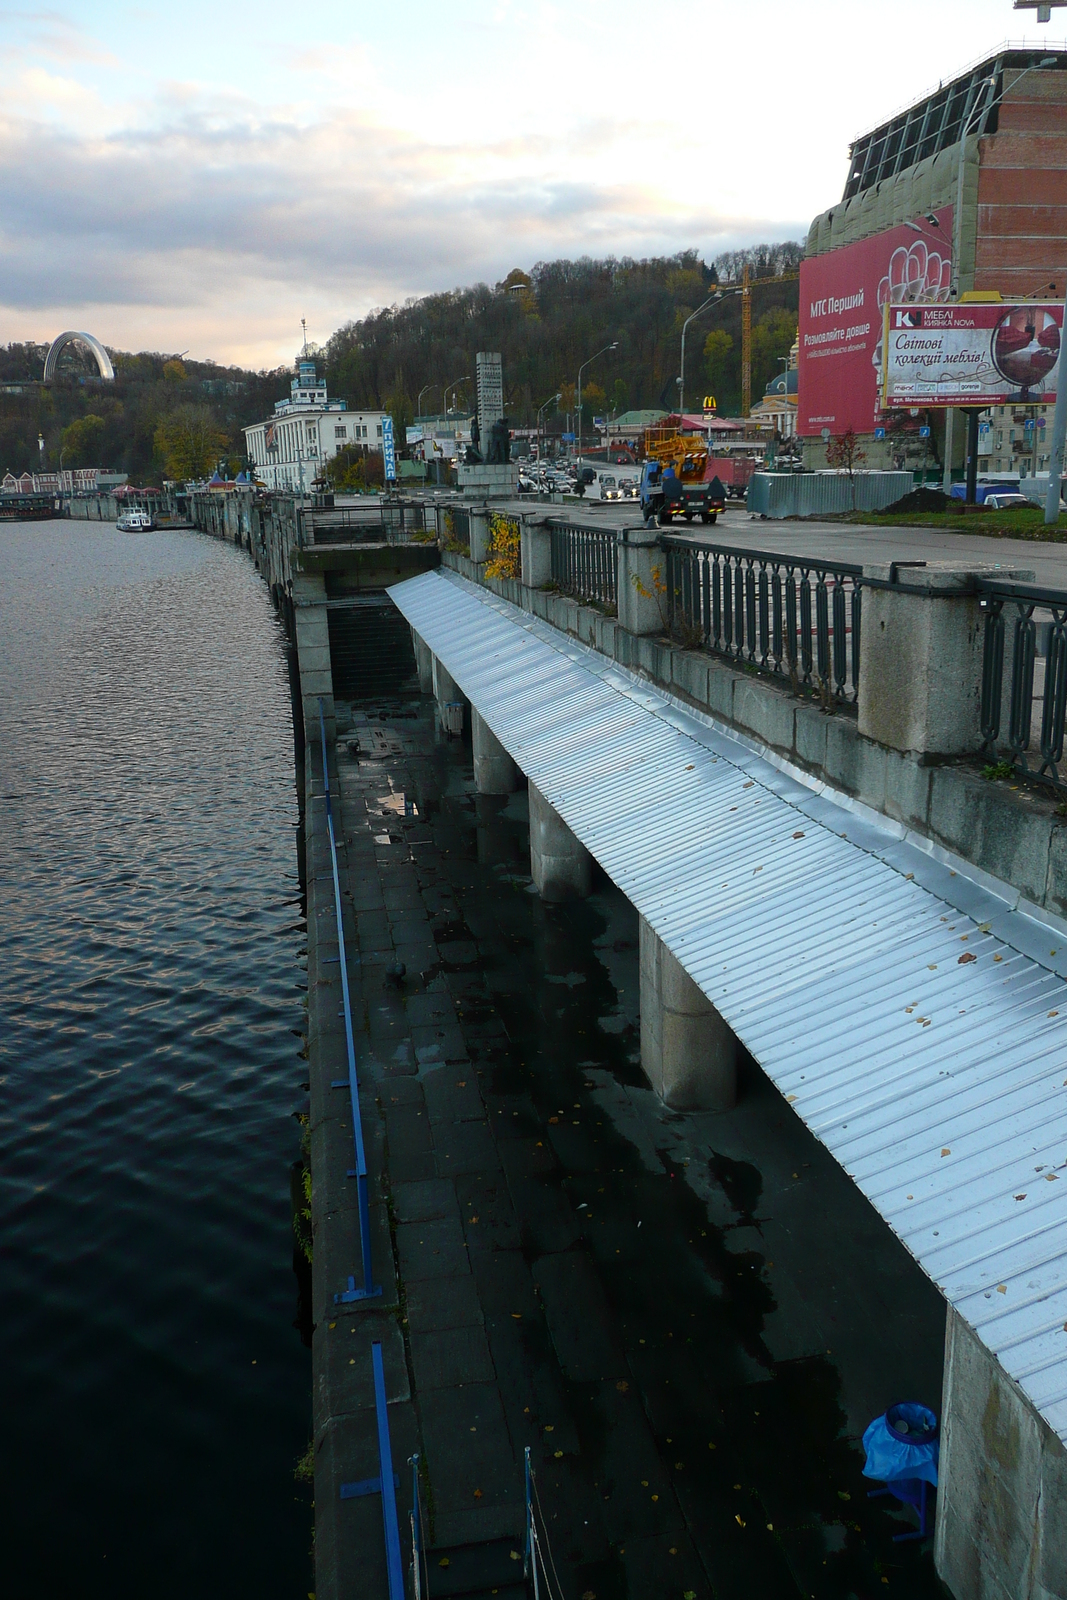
[935, 121]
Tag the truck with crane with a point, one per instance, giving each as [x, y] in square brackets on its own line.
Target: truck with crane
[678, 476]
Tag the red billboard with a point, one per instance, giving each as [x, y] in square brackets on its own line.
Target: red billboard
[843, 295]
[971, 354]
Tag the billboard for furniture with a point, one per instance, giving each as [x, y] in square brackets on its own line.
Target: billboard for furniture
[970, 355]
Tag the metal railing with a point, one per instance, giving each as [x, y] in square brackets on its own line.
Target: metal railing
[381, 524]
[1024, 678]
[369, 1290]
[584, 562]
[386, 1483]
[793, 616]
[455, 526]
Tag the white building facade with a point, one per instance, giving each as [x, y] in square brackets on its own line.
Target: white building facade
[290, 450]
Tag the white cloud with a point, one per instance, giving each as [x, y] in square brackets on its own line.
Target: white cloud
[262, 214]
[221, 176]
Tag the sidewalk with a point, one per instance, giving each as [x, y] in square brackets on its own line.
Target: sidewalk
[689, 1319]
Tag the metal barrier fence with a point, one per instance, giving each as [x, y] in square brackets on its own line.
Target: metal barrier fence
[584, 562]
[377, 524]
[790, 615]
[386, 1483]
[455, 522]
[370, 1290]
[1024, 671]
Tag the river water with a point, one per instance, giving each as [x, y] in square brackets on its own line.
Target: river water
[155, 1389]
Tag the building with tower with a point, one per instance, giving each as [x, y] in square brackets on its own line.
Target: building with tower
[290, 449]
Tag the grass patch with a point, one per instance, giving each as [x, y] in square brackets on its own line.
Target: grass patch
[1025, 523]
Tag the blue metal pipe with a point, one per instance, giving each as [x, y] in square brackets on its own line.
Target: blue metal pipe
[369, 1290]
[393, 1563]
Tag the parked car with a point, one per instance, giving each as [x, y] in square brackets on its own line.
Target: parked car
[984, 489]
[1007, 501]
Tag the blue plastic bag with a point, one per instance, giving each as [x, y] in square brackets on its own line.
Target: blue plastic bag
[902, 1444]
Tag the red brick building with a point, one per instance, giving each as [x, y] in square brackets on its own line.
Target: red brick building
[895, 233]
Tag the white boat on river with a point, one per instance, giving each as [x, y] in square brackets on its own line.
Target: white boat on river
[135, 520]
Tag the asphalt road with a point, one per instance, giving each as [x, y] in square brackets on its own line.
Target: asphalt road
[850, 542]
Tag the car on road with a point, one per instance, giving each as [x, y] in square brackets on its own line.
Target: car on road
[596, 484]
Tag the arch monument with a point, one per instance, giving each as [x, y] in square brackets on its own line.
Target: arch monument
[92, 344]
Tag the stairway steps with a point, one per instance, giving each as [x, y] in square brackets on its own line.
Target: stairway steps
[475, 1571]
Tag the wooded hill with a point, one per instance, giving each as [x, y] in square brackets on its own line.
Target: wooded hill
[87, 423]
[545, 323]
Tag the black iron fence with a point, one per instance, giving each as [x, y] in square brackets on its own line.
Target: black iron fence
[583, 562]
[455, 528]
[371, 524]
[789, 615]
[1024, 678]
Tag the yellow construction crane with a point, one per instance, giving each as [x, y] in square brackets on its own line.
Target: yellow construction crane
[747, 286]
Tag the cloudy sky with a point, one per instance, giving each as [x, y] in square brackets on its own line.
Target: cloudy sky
[199, 176]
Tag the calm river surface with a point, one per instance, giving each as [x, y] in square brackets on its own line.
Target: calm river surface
[155, 1391]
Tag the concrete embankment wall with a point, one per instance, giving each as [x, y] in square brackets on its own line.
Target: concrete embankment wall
[1015, 835]
[93, 508]
[103, 507]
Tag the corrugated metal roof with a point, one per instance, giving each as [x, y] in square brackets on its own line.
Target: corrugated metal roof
[915, 1019]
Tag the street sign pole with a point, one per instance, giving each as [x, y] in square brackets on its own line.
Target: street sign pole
[1059, 426]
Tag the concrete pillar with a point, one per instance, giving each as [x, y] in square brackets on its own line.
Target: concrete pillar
[641, 575]
[494, 770]
[424, 662]
[921, 655]
[561, 867]
[446, 691]
[688, 1053]
[312, 640]
[479, 534]
[535, 539]
[495, 836]
[1002, 1483]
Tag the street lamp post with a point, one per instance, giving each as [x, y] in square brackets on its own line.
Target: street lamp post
[783, 362]
[422, 391]
[553, 399]
[464, 380]
[710, 301]
[1059, 428]
[581, 369]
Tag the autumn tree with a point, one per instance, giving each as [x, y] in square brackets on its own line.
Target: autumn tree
[717, 348]
[353, 469]
[844, 454]
[190, 442]
[593, 397]
[772, 338]
[80, 441]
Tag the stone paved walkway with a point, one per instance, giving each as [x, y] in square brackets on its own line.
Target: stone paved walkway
[688, 1319]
